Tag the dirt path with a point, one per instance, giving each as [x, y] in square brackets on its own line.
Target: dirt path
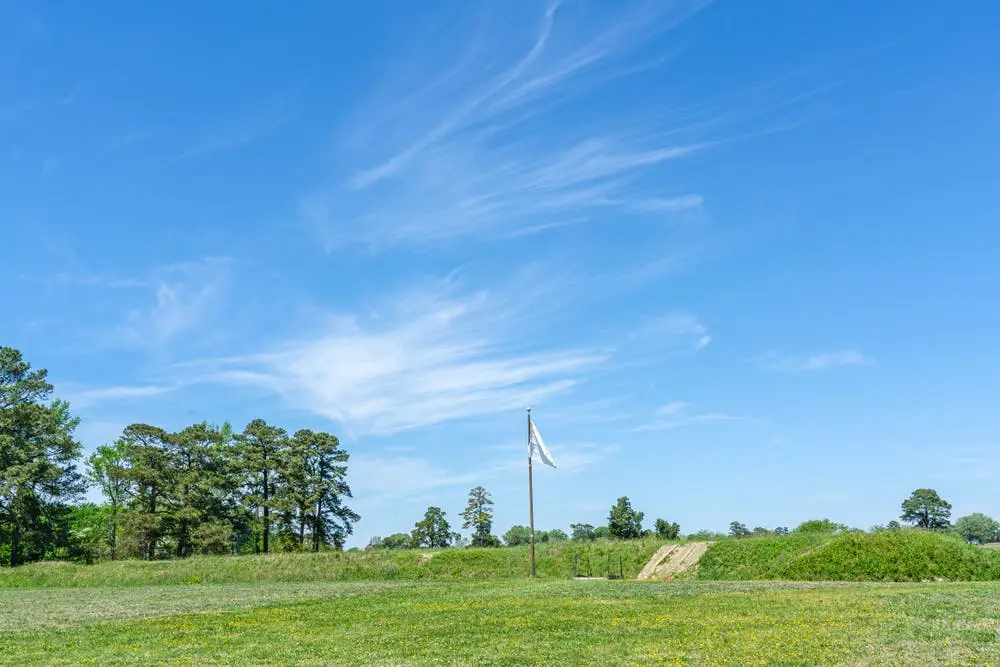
[671, 559]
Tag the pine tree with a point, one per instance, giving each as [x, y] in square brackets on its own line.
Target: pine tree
[38, 456]
[325, 488]
[479, 517]
[260, 450]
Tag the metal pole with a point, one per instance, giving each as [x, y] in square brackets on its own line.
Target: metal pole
[531, 500]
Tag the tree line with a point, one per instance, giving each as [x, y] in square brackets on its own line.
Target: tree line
[434, 531]
[924, 509]
[204, 489]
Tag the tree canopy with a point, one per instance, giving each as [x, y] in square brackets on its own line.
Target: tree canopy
[926, 509]
[479, 517]
[978, 528]
[624, 522]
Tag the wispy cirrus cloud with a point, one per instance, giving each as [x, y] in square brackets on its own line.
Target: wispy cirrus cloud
[184, 294]
[673, 328]
[430, 358]
[240, 132]
[797, 364]
[491, 160]
[676, 415]
[87, 397]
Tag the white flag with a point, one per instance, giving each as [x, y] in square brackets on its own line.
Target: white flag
[537, 445]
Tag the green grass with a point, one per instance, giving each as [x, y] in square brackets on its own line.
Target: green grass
[504, 622]
[906, 555]
[555, 560]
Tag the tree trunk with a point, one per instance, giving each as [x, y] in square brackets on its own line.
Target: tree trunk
[317, 526]
[15, 536]
[302, 527]
[267, 513]
[182, 542]
[114, 536]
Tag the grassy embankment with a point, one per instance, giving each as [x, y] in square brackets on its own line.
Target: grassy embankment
[553, 560]
[905, 555]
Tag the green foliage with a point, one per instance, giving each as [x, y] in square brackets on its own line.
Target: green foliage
[601, 532]
[926, 509]
[903, 555]
[737, 529]
[821, 526]
[666, 530]
[624, 522]
[977, 528]
[397, 541]
[432, 531]
[517, 535]
[582, 531]
[38, 456]
[556, 535]
[479, 517]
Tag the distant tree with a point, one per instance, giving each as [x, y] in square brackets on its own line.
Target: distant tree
[926, 509]
[394, 541]
[737, 529]
[761, 531]
[624, 522]
[479, 517]
[893, 525]
[601, 532]
[106, 469]
[557, 535]
[582, 531]
[978, 528]
[432, 531]
[820, 526]
[667, 531]
[458, 541]
[517, 535]
[706, 535]
[781, 530]
[541, 536]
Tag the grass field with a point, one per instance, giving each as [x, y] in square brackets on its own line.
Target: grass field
[505, 622]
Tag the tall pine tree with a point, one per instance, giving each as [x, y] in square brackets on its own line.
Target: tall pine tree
[38, 456]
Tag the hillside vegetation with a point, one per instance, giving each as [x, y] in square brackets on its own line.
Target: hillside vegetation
[903, 555]
[553, 560]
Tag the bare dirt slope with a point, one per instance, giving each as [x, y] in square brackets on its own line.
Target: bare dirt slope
[671, 559]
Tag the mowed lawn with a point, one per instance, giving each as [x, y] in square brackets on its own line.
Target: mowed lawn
[503, 622]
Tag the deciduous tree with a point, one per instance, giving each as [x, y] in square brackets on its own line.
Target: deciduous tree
[666, 530]
[926, 509]
[978, 528]
[624, 522]
[433, 530]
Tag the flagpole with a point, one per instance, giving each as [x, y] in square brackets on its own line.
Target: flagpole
[531, 500]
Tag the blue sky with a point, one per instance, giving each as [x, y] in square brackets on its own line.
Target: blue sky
[742, 263]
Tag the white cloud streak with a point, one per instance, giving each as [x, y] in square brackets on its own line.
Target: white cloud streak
[675, 415]
[483, 167]
[793, 364]
[185, 295]
[440, 358]
[88, 397]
